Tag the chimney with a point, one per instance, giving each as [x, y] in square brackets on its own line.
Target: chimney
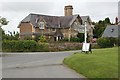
[116, 20]
[68, 10]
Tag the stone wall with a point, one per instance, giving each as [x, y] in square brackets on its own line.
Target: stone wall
[66, 46]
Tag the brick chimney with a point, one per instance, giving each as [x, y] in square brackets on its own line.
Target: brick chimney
[68, 10]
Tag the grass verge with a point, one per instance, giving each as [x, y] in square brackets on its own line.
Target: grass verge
[102, 63]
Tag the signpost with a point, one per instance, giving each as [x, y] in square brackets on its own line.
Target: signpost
[86, 46]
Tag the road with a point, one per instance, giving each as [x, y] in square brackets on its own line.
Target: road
[37, 65]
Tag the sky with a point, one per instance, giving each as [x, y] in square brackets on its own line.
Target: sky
[16, 10]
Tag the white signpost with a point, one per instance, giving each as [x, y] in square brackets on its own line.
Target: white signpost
[86, 45]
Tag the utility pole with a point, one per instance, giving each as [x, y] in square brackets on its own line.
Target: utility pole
[85, 32]
[86, 46]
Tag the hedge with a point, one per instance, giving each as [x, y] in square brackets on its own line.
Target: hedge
[108, 42]
[23, 46]
[33, 46]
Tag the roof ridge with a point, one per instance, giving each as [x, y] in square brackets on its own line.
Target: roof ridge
[53, 16]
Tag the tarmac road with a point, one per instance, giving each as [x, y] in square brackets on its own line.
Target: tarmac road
[37, 65]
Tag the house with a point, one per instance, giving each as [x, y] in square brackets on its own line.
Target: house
[54, 28]
[112, 31]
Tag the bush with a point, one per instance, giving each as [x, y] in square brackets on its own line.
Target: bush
[43, 47]
[81, 37]
[28, 38]
[107, 42]
[37, 38]
[23, 46]
[42, 39]
[117, 41]
[64, 40]
[73, 39]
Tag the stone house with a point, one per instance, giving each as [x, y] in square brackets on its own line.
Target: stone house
[55, 28]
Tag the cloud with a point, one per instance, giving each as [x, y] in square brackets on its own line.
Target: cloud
[28, 6]
[16, 11]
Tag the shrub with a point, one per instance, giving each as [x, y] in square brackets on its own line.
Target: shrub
[37, 38]
[117, 41]
[43, 47]
[23, 46]
[106, 42]
[81, 37]
[42, 39]
[64, 40]
[74, 39]
[28, 38]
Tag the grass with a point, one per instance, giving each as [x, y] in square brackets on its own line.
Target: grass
[102, 63]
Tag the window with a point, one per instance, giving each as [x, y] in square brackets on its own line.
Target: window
[53, 29]
[41, 25]
[112, 30]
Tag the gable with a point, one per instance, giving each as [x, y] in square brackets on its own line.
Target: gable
[86, 19]
[26, 28]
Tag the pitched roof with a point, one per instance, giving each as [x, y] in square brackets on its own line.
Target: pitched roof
[85, 18]
[111, 31]
[51, 21]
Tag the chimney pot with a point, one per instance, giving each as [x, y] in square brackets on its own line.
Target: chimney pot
[68, 10]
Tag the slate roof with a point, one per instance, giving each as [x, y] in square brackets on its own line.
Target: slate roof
[112, 31]
[85, 18]
[51, 21]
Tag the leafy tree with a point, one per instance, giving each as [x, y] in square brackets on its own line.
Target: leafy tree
[3, 21]
[107, 21]
[13, 36]
[100, 27]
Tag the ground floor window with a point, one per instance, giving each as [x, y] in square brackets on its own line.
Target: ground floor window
[58, 38]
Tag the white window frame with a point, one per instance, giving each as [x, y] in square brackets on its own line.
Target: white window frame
[41, 25]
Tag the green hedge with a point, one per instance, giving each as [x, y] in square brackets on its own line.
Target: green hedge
[33, 46]
[108, 42]
[23, 46]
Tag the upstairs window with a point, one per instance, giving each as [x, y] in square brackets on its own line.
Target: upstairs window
[41, 25]
[53, 29]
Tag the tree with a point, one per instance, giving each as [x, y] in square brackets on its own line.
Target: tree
[107, 20]
[3, 21]
[14, 36]
[100, 27]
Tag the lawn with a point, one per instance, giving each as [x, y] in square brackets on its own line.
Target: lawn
[102, 63]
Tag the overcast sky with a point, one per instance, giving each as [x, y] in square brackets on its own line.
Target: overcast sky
[16, 10]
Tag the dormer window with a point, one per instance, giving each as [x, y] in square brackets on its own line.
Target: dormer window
[112, 30]
[41, 25]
